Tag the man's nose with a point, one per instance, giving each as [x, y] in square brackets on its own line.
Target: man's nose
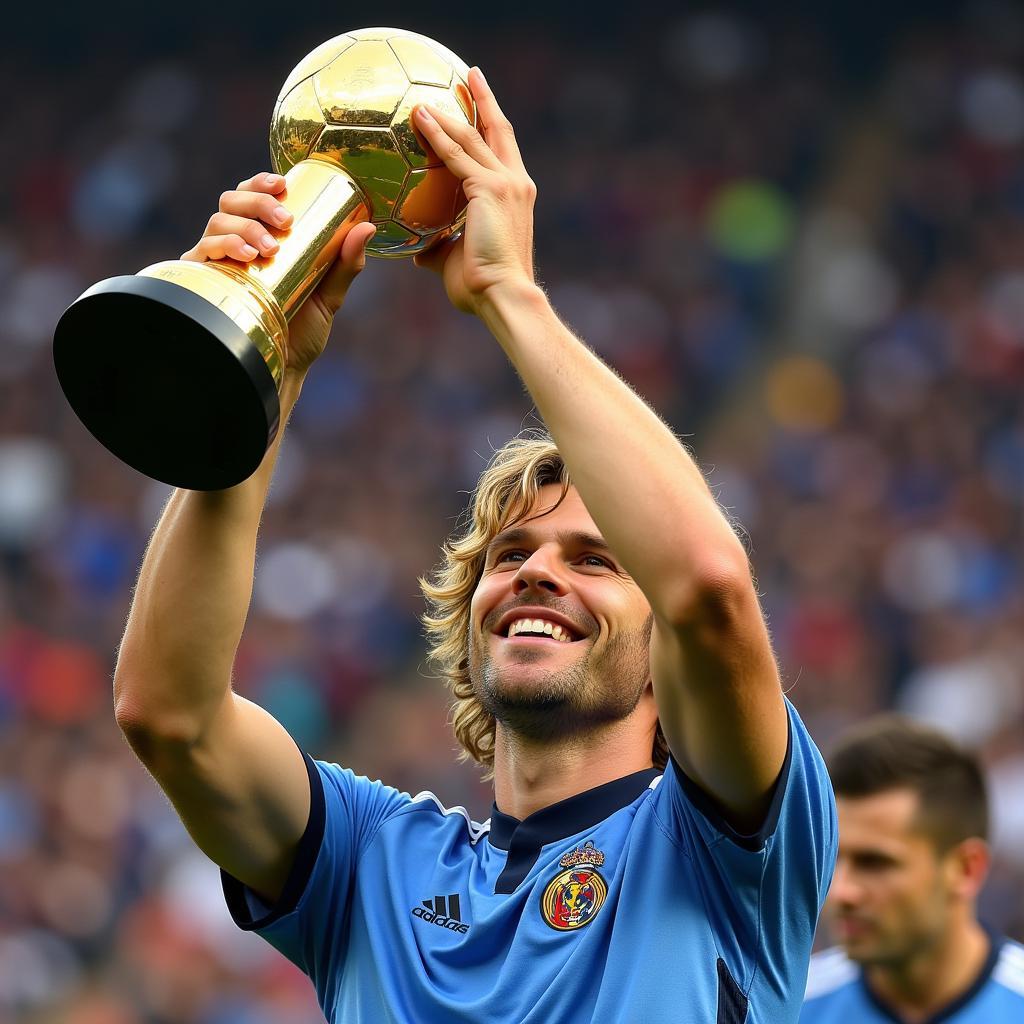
[543, 570]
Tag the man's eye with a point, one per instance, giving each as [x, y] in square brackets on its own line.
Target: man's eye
[874, 862]
[596, 560]
[510, 556]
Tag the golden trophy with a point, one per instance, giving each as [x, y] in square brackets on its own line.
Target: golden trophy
[177, 369]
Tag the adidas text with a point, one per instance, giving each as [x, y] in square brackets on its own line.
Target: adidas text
[440, 920]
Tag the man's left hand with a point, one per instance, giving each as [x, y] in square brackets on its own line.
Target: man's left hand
[496, 246]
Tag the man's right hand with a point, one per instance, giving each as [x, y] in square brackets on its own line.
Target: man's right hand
[245, 226]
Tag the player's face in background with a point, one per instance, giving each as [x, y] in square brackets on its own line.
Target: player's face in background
[592, 665]
[891, 896]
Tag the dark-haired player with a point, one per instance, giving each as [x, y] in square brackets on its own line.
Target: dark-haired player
[913, 822]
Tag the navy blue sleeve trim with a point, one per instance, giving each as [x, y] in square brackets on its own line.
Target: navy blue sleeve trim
[708, 806]
[301, 871]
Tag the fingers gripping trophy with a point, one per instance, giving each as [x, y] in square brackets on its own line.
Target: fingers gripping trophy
[177, 369]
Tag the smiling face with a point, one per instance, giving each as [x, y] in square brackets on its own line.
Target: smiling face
[892, 892]
[559, 632]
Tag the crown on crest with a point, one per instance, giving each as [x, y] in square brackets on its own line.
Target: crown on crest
[585, 854]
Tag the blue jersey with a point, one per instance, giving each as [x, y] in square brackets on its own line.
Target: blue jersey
[631, 901]
[838, 994]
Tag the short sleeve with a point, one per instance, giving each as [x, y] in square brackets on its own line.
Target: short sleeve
[309, 922]
[762, 892]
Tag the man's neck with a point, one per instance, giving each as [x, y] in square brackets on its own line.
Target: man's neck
[530, 776]
[920, 987]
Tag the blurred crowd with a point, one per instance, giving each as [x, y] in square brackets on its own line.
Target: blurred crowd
[818, 282]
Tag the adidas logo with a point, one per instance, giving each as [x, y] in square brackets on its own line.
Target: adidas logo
[444, 911]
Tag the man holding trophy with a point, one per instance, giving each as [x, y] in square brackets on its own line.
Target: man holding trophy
[663, 830]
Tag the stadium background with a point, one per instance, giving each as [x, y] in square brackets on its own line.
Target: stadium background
[800, 236]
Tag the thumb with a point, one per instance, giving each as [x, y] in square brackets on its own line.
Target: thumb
[350, 262]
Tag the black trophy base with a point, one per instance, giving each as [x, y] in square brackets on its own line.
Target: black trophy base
[167, 382]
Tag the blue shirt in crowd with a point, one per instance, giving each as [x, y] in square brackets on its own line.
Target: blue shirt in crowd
[838, 994]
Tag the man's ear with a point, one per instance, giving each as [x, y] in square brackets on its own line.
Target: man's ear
[966, 866]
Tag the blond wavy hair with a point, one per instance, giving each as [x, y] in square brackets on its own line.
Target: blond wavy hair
[504, 495]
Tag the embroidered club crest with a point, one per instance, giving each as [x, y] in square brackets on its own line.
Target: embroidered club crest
[573, 897]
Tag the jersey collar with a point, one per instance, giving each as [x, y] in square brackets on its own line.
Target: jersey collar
[571, 815]
[524, 839]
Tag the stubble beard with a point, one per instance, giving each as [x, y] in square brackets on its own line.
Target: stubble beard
[894, 950]
[570, 702]
[893, 954]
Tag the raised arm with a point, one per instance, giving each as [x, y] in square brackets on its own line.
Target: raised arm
[232, 772]
[716, 683]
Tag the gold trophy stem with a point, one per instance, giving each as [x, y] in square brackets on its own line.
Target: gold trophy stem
[325, 203]
[261, 296]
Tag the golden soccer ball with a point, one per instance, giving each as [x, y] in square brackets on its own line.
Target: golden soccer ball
[350, 103]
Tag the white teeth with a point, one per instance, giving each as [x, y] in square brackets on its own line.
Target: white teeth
[540, 626]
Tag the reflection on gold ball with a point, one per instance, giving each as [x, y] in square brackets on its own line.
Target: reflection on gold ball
[350, 102]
